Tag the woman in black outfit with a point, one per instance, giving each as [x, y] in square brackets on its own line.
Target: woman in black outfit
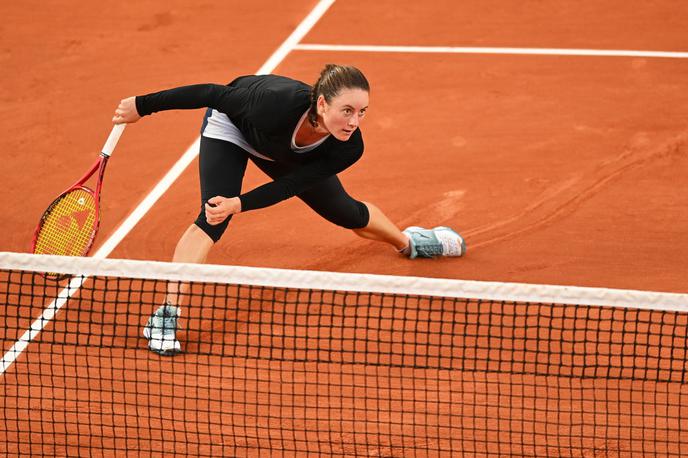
[300, 136]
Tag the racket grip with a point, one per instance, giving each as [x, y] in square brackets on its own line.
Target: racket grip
[113, 139]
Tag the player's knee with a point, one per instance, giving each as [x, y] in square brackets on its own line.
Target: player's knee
[213, 231]
[356, 217]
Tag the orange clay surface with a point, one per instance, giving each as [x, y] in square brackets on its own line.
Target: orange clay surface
[557, 170]
[563, 170]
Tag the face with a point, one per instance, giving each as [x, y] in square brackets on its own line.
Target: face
[342, 115]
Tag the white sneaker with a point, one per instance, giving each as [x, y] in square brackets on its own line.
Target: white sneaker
[161, 330]
[438, 241]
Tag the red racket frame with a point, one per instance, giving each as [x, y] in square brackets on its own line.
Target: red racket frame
[98, 165]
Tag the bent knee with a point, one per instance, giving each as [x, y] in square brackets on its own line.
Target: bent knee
[213, 231]
[357, 217]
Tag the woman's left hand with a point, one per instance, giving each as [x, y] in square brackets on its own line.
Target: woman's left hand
[218, 209]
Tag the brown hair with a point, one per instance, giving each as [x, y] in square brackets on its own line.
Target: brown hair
[333, 78]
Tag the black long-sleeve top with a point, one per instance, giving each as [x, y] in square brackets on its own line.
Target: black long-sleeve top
[266, 109]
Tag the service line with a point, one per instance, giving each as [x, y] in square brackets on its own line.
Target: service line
[480, 50]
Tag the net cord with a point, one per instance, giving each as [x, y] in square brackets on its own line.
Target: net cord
[334, 281]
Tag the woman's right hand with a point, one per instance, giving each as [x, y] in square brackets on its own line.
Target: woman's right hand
[126, 111]
[218, 209]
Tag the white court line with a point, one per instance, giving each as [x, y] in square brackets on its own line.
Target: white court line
[469, 50]
[140, 211]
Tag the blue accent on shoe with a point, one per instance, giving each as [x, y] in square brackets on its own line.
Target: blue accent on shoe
[423, 242]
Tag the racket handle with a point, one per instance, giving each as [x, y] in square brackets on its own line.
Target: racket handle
[113, 139]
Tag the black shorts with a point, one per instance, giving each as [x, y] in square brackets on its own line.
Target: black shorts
[222, 165]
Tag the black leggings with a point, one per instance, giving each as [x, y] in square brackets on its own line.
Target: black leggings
[222, 165]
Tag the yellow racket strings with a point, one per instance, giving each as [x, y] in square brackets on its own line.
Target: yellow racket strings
[68, 227]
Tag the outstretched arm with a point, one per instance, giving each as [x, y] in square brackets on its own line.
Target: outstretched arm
[227, 99]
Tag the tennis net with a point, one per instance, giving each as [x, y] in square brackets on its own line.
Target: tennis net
[302, 363]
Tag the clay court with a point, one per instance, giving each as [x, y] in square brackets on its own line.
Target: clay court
[558, 167]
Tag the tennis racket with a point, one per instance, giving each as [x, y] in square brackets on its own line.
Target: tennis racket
[69, 226]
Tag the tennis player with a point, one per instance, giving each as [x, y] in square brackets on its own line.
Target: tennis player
[301, 137]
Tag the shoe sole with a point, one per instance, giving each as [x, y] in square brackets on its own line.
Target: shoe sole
[462, 241]
[175, 349]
